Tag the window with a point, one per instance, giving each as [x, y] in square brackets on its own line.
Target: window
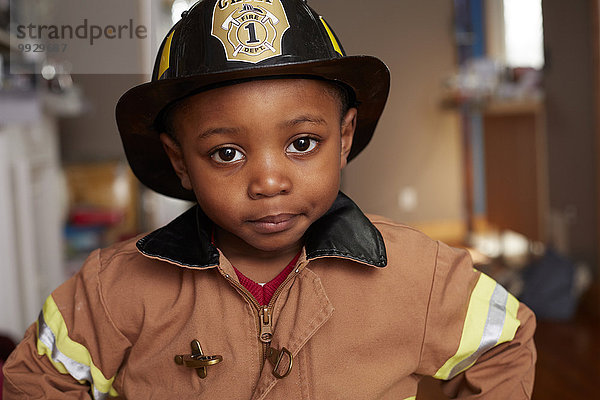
[523, 33]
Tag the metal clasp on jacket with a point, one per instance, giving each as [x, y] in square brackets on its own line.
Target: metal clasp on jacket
[197, 359]
[275, 356]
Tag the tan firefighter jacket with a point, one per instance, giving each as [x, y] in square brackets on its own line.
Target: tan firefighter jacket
[371, 307]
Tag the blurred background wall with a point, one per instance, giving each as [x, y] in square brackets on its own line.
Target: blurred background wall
[93, 135]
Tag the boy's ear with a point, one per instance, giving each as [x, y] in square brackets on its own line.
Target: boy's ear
[173, 150]
[347, 135]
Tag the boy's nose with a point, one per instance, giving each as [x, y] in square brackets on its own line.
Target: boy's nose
[268, 180]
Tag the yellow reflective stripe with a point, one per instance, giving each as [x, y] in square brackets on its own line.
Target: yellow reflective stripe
[473, 326]
[334, 42]
[491, 319]
[68, 356]
[411, 398]
[164, 57]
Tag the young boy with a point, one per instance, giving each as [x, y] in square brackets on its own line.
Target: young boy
[275, 285]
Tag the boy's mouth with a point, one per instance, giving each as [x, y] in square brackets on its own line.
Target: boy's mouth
[274, 223]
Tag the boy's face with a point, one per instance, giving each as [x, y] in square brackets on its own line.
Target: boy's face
[263, 158]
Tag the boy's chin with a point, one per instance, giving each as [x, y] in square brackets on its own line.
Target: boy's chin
[254, 244]
[272, 245]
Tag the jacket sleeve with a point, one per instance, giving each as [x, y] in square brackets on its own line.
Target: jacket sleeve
[73, 350]
[478, 338]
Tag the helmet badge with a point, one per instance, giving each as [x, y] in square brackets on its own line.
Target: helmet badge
[250, 30]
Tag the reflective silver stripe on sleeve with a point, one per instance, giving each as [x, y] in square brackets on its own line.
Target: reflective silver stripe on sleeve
[77, 370]
[492, 330]
[98, 395]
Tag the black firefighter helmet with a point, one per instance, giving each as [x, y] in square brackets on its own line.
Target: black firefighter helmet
[221, 41]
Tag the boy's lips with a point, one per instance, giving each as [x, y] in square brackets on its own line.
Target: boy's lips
[274, 223]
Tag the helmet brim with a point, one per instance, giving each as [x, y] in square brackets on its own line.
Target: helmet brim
[138, 109]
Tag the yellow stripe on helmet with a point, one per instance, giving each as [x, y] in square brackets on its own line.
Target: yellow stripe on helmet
[165, 55]
[334, 42]
[68, 356]
[491, 320]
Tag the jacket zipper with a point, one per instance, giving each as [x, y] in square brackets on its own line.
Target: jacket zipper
[265, 313]
[266, 330]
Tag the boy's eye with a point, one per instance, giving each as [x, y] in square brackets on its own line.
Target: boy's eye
[302, 145]
[227, 155]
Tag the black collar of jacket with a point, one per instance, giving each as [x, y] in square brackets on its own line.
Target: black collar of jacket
[344, 232]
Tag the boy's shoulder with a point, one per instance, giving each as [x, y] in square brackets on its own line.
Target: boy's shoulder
[413, 249]
[122, 265]
[388, 224]
[399, 234]
[115, 251]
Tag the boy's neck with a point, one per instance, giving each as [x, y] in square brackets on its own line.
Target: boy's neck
[256, 264]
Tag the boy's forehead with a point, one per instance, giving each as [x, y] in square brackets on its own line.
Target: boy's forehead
[231, 92]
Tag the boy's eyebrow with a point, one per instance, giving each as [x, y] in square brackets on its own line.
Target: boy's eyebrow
[312, 119]
[216, 131]
[290, 123]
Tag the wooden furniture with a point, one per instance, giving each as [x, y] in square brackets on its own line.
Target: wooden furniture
[516, 167]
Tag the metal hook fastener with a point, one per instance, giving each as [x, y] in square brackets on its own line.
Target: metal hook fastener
[197, 359]
[275, 356]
